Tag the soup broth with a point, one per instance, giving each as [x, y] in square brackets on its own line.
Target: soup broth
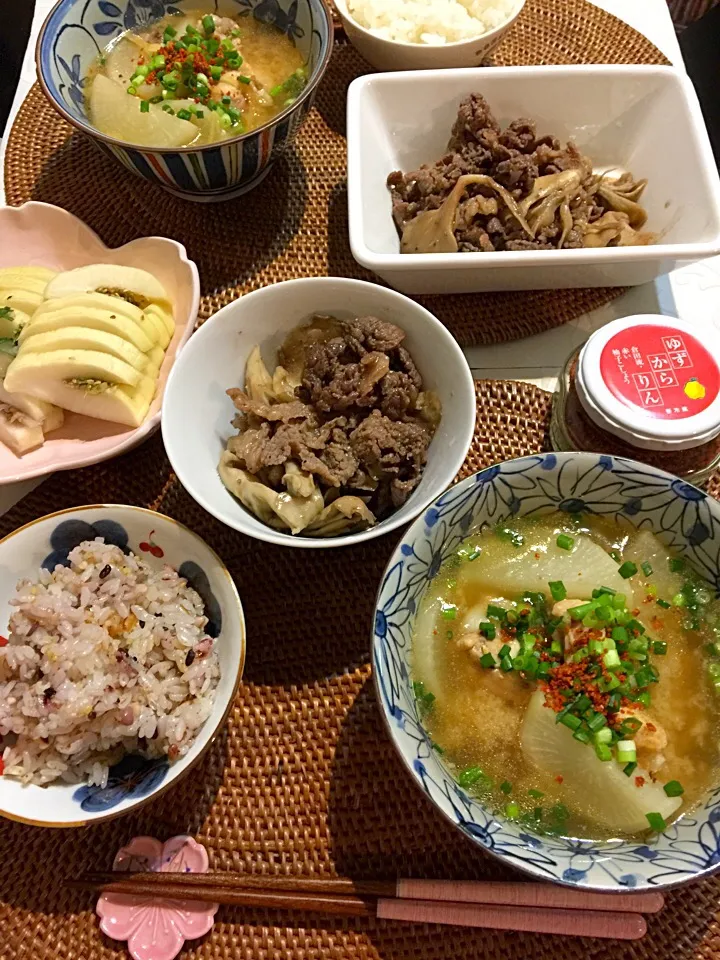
[567, 674]
[193, 78]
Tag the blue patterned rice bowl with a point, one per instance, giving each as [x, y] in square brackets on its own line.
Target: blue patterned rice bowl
[76, 31]
[634, 496]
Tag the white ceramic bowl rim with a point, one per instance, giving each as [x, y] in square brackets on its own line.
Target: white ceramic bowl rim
[90, 130]
[342, 8]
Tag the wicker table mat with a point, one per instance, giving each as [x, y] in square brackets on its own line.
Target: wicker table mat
[304, 779]
[295, 224]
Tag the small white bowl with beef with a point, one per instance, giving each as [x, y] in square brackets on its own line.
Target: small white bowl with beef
[319, 412]
[522, 178]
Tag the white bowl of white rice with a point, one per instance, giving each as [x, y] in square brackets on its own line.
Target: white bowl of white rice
[427, 34]
[122, 644]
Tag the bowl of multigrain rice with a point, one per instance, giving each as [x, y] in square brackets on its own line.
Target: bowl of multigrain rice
[122, 647]
[427, 34]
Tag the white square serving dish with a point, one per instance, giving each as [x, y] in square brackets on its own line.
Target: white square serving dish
[642, 118]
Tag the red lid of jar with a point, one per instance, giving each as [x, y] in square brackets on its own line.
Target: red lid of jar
[654, 381]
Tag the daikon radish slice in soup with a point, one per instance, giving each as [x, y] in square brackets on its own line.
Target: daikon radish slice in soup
[567, 672]
[192, 79]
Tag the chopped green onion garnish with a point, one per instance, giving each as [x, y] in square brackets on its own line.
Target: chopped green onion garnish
[656, 821]
[503, 533]
[565, 542]
[626, 751]
[448, 610]
[144, 106]
[634, 626]
[630, 769]
[488, 630]
[619, 635]
[506, 786]
[582, 734]
[674, 788]
[679, 600]
[570, 720]
[506, 664]
[183, 114]
[168, 109]
[612, 661]
[216, 72]
[647, 568]
[536, 794]
[497, 612]
[664, 604]
[577, 613]
[627, 570]
[556, 646]
[659, 648]
[208, 25]
[132, 90]
[557, 589]
[157, 62]
[676, 564]
[470, 776]
[646, 676]
[603, 736]
[512, 811]
[597, 722]
[487, 660]
[243, 79]
[603, 752]
[504, 650]
[169, 33]
[475, 553]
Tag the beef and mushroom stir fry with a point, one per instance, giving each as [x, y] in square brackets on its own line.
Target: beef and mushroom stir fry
[513, 190]
[336, 437]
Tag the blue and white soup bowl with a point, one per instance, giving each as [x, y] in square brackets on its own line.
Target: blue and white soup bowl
[158, 540]
[76, 31]
[632, 495]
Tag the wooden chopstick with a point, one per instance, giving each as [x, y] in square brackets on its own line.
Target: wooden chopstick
[521, 894]
[527, 914]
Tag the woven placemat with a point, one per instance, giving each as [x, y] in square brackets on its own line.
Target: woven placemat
[304, 779]
[295, 223]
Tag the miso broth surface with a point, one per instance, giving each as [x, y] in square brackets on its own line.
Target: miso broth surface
[476, 717]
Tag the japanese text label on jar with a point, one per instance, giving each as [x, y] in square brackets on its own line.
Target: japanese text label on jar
[652, 381]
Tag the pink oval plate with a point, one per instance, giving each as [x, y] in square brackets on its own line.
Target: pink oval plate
[41, 235]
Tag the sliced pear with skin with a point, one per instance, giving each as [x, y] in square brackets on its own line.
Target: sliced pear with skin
[20, 300]
[112, 402]
[18, 432]
[46, 414]
[128, 283]
[34, 373]
[117, 114]
[14, 280]
[82, 338]
[156, 328]
[99, 320]
[155, 362]
[163, 315]
[36, 273]
[92, 301]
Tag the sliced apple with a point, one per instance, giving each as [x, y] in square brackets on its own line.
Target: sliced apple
[154, 327]
[117, 114]
[18, 299]
[37, 273]
[155, 361]
[165, 316]
[82, 338]
[34, 373]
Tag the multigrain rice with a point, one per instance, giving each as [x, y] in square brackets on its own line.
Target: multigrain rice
[97, 665]
[434, 22]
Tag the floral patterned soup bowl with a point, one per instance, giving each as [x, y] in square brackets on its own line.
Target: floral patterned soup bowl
[159, 540]
[76, 31]
[633, 496]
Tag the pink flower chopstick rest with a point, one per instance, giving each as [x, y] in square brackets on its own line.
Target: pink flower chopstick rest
[155, 927]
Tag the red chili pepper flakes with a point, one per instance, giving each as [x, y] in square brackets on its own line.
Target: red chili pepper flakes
[559, 778]
[4, 641]
[651, 727]
[639, 781]
[657, 623]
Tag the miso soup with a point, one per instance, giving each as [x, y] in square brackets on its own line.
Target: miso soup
[567, 673]
[193, 78]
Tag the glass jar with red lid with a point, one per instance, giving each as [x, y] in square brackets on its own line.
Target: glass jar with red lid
[646, 388]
